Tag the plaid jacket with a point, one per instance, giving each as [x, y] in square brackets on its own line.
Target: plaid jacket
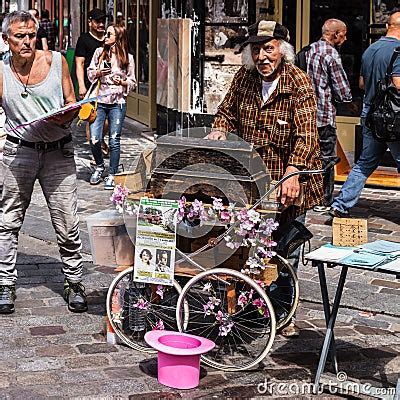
[285, 126]
[328, 79]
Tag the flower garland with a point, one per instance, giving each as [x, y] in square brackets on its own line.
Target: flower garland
[249, 227]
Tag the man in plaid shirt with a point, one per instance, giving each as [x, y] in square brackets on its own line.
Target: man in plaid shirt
[271, 103]
[331, 86]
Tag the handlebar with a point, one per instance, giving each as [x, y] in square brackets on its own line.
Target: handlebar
[327, 168]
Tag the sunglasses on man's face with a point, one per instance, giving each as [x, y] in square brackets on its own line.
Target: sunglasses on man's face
[99, 21]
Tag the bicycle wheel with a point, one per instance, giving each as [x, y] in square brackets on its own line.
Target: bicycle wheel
[134, 308]
[232, 310]
[283, 292]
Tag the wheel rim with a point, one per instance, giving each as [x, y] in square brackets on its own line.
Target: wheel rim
[243, 335]
[133, 309]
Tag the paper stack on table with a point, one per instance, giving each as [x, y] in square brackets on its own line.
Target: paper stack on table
[373, 254]
[330, 253]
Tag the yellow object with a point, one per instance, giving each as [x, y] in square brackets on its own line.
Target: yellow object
[87, 113]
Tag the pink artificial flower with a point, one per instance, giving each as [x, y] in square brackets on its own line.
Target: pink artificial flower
[219, 317]
[160, 291]
[159, 326]
[119, 195]
[242, 215]
[217, 204]
[225, 216]
[259, 302]
[242, 300]
[142, 304]
[247, 225]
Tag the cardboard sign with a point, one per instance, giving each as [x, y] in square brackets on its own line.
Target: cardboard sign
[349, 231]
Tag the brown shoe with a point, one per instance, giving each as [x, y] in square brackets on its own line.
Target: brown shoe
[290, 330]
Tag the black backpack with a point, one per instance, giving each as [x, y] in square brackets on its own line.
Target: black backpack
[384, 115]
[300, 59]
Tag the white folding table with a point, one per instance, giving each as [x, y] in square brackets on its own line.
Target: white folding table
[320, 259]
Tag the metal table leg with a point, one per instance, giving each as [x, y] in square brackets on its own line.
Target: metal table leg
[397, 393]
[327, 311]
[331, 326]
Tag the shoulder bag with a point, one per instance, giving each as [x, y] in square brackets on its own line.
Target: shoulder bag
[383, 118]
[88, 111]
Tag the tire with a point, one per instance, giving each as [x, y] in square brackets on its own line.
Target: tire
[243, 332]
[284, 292]
[130, 322]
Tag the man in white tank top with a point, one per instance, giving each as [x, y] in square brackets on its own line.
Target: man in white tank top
[33, 82]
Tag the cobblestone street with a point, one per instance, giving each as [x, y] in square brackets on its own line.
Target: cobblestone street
[48, 352]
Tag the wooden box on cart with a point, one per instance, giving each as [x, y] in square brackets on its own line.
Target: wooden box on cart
[200, 168]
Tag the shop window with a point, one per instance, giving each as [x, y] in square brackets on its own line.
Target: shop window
[225, 28]
[381, 11]
[143, 59]
[138, 40]
[356, 16]
[228, 11]
[289, 18]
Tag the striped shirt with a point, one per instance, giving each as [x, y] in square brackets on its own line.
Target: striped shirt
[329, 81]
[284, 126]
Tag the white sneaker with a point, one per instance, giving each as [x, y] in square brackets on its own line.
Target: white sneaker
[321, 209]
[109, 183]
[96, 177]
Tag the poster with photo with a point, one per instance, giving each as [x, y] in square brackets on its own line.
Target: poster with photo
[155, 241]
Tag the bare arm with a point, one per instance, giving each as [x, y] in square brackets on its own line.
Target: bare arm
[69, 97]
[80, 75]
[45, 45]
[396, 82]
[67, 86]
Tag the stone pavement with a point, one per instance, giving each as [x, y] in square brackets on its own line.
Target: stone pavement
[48, 352]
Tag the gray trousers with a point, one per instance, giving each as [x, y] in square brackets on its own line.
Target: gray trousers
[56, 172]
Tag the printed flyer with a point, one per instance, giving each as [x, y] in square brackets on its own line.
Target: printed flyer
[155, 241]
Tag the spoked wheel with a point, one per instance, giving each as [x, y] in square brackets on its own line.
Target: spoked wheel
[283, 292]
[134, 308]
[232, 310]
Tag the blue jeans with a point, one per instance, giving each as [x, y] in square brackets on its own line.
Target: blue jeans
[115, 113]
[371, 154]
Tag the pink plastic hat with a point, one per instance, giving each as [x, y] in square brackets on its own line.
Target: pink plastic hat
[178, 357]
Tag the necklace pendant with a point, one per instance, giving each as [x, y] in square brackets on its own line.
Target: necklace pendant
[24, 94]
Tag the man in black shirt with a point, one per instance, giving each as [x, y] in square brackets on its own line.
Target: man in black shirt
[86, 45]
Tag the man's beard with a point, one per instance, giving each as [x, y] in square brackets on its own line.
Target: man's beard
[266, 74]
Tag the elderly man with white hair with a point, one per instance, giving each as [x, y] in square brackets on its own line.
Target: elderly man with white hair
[272, 104]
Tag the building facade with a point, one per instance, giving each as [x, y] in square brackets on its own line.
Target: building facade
[185, 50]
